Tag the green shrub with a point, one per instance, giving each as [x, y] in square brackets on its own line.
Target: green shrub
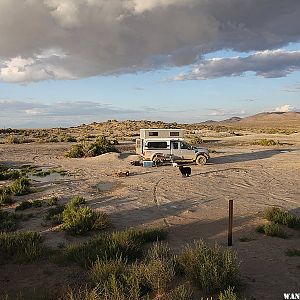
[102, 269]
[52, 201]
[110, 246]
[37, 203]
[196, 140]
[277, 215]
[24, 205]
[272, 229]
[9, 174]
[293, 252]
[228, 294]
[8, 221]
[5, 197]
[79, 220]
[20, 187]
[24, 246]
[182, 292]
[42, 173]
[159, 273]
[101, 146]
[76, 201]
[210, 267]
[76, 151]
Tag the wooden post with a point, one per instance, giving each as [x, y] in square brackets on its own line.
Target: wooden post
[230, 223]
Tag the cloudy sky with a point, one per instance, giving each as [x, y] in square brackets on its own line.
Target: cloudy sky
[67, 62]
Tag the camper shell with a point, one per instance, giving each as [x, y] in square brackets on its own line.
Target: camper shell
[161, 145]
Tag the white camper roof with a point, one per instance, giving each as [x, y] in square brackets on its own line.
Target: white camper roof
[155, 133]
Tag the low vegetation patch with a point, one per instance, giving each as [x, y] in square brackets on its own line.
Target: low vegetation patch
[20, 187]
[228, 294]
[126, 243]
[266, 142]
[210, 267]
[196, 140]
[8, 221]
[78, 219]
[293, 252]
[277, 215]
[52, 201]
[44, 173]
[29, 204]
[10, 175]
[100, 146]
[245, 239]
[22, 246]
[5, 196]
[272, 229]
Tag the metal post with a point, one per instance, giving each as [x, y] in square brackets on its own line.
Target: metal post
[230, 223]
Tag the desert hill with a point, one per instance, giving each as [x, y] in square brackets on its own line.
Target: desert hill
[268, 119]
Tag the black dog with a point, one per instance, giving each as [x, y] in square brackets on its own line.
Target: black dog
[185, 171]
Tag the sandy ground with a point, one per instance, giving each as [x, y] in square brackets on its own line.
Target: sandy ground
[190, 208]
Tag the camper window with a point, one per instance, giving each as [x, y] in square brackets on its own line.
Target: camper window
[157, 145]
[153, 133]
[174, 133]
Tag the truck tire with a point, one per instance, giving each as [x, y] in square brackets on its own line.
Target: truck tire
[157, 160]
[201, 160]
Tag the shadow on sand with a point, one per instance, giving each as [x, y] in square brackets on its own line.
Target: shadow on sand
[249, 156]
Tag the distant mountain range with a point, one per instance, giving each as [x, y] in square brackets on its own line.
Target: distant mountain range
[265, 119]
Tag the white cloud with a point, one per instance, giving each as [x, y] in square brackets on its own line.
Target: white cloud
[268, 64]
[38, 68]
[285, 108]
[218, 112]
[100, 37]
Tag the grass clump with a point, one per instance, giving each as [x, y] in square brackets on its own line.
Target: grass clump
[100, 146]
[126, 243]
[9, 175]
[23, 246]
[8, 221]
[210, 267]
[265, 142]
[24, 205]
[5, 196]
[277, 215]
[102, 269]
[81, 219]
[293, 252]
[228, 294]
[272, 229]
[53, 201]
[154, 274]
[20, 187]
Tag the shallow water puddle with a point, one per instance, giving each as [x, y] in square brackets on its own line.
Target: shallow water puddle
[49, 178]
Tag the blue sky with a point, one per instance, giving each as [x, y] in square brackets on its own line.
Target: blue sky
[214, 91]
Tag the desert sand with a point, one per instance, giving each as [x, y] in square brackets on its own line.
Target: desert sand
[255, 177]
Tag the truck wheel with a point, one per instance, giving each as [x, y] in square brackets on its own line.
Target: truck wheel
[201, 160]
[157, 160]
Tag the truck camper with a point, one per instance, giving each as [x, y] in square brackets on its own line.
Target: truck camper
[160, 145]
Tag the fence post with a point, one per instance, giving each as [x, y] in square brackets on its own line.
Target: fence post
[230, 223]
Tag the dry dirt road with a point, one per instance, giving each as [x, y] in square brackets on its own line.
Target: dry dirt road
[190, 208]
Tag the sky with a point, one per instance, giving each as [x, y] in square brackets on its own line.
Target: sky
[69, 62]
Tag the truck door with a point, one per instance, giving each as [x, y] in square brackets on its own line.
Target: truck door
[175, 150]
[186, 151]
